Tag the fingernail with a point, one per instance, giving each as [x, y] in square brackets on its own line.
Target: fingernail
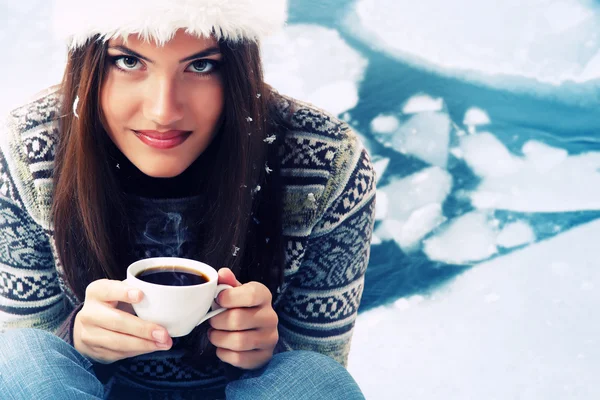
[133, 294]
[160, 336]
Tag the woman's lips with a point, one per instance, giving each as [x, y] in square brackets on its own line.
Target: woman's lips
[163, 140]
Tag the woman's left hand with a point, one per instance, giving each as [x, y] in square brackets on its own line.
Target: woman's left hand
[246, 334]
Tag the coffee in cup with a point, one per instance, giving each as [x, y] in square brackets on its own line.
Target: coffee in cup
[178, 292]
[172, 276]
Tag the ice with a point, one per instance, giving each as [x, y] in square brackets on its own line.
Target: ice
[418, 225]
[381, 205]
[389, 229]
[551, 41]
[429, 186]
[543, 157]
[425, 135]
[380, 166]
[330, 82]
[422, 130]
[366, 142]
[422, 103]
[476, 116]
[416, 208]
[546, 179]
[516, 234]
[468, 238]
[385, 124]
[511, 328]
[375, 240]
[488, 157]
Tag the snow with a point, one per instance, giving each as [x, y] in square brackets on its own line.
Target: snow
[551, 41]
[21, 78]
[517, 327]
[330, 83]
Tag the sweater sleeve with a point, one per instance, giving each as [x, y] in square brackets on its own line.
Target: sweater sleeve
[30, 293]
[318, 308]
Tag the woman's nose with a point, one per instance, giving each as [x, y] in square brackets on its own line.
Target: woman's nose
[163, 104]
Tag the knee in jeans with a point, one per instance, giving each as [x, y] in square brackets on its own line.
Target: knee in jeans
[16, 343]
[14, 340]
[308, 359]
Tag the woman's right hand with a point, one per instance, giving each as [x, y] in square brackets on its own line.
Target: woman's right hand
[106, 333]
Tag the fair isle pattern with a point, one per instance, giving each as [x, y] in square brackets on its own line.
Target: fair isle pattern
[328, 195]
[165, 367]
[30, 293]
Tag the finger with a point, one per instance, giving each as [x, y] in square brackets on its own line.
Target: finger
[111, 291]
[251, 294]
[227, 277]
[245, 359]
[129, 346]
[256, 339]
[241, 319]
[111, 319]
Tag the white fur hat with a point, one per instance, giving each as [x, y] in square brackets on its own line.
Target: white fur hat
[76, 21]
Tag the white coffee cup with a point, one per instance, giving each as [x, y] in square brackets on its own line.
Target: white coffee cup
[179, 309]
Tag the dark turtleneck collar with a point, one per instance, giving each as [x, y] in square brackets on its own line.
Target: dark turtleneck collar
[135, 182]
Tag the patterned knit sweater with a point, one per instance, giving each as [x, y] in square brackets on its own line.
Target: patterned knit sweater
[328, 203]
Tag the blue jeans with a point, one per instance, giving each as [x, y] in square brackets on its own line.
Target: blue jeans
[36, 365]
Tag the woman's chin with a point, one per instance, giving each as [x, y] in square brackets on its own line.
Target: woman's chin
[162, 171]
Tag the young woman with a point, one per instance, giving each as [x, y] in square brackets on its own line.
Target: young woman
[164, 140]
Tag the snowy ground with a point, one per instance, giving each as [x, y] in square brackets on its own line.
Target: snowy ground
[457, 187]
[519, 327]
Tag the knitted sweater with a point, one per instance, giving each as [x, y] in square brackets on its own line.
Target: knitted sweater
[328, 204]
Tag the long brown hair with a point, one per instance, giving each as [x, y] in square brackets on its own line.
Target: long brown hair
[242, 206]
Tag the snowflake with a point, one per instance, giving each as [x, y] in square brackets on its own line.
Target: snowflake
[75, 104]
[270, 139]
[269, 170]
[235, 251]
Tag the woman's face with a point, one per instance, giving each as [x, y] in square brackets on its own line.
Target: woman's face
[162, 105]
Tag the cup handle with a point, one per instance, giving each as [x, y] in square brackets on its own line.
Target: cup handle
[218, 311]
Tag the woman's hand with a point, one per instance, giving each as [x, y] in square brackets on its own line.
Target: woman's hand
[106, 332]
[246, 334]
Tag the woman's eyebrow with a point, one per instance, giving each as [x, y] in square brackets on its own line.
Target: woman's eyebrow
[204, 53]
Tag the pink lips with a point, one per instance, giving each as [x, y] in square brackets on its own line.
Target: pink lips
[163, 140]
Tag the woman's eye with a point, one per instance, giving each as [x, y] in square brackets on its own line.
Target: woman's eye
[202, 66]
[127, 63]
